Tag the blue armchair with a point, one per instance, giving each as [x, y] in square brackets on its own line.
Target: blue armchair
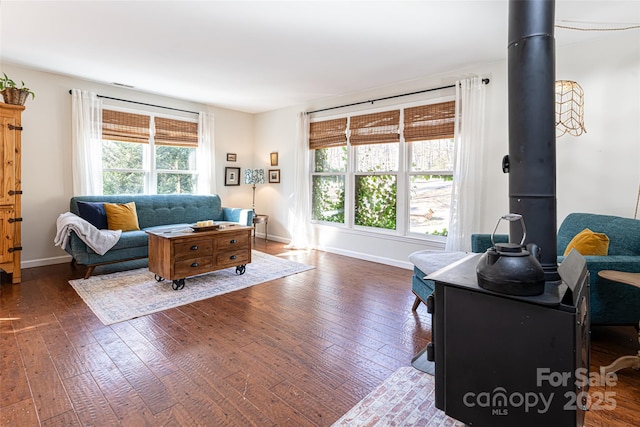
[611, 303]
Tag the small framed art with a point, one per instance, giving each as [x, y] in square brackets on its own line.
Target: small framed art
[231, 176]
[274, 159]
[231, 157]
[274, 176]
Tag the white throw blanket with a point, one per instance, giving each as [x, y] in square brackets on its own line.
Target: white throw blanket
[98, 240]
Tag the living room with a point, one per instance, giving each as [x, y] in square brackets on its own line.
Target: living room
[598, 172]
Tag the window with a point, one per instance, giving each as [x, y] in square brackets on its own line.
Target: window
[328, 140]
[369, 173]
[375, 138]
[148, 154]
[428, 132]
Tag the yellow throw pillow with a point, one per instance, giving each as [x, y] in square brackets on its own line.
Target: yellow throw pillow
[589, 243]
[122, 216]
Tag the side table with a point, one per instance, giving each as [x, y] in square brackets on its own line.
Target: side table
[260, 219]
[632, 279]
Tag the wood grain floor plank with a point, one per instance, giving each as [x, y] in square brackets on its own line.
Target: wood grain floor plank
[147, 385]
[90, 405]
[123, 399]
[13, 380]
[48, 394]
[61, 350]
[153, 359]
[296, 351]
[200, 406]
[67, 419]
[19, 414]
[275, 408]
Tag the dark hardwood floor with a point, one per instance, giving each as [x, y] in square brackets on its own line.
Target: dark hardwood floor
[298, 351]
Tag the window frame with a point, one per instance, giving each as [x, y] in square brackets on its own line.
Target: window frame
[403, 178]
[149, 151]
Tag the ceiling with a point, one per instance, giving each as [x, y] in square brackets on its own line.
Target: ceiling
[257, 56]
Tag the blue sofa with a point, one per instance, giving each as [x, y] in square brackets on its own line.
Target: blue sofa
[611, 303]
[154, 211]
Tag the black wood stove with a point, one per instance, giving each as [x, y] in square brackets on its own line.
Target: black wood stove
[516, 352]
[504, 360]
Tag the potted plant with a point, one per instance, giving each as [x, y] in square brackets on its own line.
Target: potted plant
[12, 93]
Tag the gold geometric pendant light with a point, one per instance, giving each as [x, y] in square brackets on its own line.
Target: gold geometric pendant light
[569, 108]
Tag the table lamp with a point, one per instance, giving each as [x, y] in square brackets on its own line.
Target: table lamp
[254, 176]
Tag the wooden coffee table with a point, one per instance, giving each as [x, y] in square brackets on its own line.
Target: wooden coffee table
[176, 254]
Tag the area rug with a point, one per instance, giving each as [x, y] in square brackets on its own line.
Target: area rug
[406, 398]
[128, 294]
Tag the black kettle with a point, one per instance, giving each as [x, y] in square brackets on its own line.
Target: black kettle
[511, 268]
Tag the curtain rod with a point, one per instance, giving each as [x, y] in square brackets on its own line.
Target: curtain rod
[371, 101]
[143, 103]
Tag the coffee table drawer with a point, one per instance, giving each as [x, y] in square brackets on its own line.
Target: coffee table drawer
[193, 248]
[191, 267]
[239, 240]
[233, 258]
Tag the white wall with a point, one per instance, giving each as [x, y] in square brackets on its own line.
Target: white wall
[46, 154]
[597, 172]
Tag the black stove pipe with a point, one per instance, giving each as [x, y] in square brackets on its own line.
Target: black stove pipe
[532, 149]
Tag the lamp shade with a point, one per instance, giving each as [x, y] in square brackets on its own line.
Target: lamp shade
[254, 176]
[569, 108]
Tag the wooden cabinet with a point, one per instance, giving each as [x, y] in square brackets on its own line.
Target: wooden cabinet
[10, 189]
[178, 254]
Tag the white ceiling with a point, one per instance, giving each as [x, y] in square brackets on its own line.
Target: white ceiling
[257, 56]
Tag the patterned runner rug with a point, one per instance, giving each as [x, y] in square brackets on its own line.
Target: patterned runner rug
[405, 399]
[128, 294]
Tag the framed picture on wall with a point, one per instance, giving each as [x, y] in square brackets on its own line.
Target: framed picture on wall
[274, 159]
[274, 176]
[231, 157]
[231, 176]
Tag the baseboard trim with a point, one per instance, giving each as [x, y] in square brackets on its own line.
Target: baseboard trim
[45, 261]
[367, 257]
[351, 254]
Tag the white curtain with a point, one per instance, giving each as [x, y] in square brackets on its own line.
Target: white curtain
[466, 195]
[86, 140]
[206, 147]
[299, 203]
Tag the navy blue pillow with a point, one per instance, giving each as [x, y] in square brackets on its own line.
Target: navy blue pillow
[94, 213]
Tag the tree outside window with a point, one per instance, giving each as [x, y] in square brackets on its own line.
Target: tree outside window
[143, 156]
[430, 184]
[372, 173]
[328, 184]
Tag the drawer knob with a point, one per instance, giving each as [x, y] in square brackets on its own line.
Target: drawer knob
[194, 247]
[195, 264]
[233, 241]
[232, 257]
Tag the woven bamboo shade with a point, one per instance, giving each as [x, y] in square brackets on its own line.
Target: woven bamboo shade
[569, 108]
[375, 128]
[127, 127]
[328, 133]
[428, 122]
[176, 132]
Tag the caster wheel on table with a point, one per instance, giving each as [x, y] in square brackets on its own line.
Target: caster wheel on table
[178, 284]
[241, 269]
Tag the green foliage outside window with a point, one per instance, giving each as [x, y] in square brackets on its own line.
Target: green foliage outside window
[328, 198]
[124, 171]
[122, 182]
[330, 159]
[176, 183]
[175, 159]
[375, 204]
[121, 155]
